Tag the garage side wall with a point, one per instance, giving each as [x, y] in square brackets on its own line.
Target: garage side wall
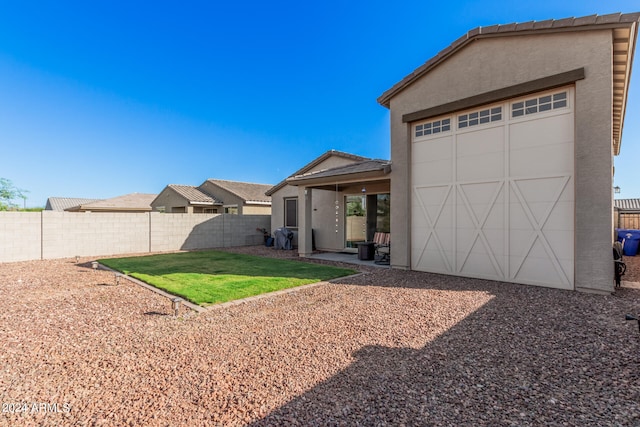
[494, 63]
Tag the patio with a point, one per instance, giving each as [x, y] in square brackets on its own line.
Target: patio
[347, 258]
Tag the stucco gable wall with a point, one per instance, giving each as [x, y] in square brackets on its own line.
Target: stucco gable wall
[494, 63]
[227, 197]
[332, 162]
[169, 199]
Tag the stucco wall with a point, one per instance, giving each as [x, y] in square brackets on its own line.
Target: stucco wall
[277, 205]
[20, 236]
[46, 235]
[495, 63]
[327, 235]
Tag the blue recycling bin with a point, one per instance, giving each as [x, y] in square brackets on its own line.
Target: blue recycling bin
[631, 241]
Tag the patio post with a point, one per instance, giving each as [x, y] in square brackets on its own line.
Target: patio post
[305, 243]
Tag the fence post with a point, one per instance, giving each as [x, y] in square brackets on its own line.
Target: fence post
[42, 235]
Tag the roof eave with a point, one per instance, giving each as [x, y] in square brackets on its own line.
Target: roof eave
[194, 203]
[633, 35]
[257, 202]
[340, 178]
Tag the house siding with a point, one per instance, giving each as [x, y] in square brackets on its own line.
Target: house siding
[256, 210]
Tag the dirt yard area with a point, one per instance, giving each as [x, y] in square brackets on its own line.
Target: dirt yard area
[388, 347]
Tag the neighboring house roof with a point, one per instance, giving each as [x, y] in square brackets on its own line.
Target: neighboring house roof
[251, 193]
[63, 203]
[375, 167]
[627, 204]
[194, 195]
[309, 166]
[128, 202]
[624, 26]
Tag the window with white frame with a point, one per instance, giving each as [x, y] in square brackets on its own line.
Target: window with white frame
[433, 127]
[539, 104]
[291, 212]
[480, 117]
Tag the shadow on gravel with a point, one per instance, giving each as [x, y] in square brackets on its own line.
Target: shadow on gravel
[157, 313]
[530, 356]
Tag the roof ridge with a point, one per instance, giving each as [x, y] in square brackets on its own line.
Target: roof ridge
[239, 182]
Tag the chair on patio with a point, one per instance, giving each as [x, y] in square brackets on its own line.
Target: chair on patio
[382, 245]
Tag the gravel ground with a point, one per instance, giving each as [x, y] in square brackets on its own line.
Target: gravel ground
[633, 268]
[387, 347]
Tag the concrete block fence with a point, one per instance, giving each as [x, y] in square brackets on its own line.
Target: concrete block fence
[46, 235]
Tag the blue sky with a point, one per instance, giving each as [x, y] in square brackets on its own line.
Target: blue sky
[100, 99]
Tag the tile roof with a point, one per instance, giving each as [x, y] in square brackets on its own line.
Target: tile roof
[551, 25]
[315, 162]
[249, 192]
[127, 202]
[194, 195]
[354, 168]
[627, 204]
[62, 203]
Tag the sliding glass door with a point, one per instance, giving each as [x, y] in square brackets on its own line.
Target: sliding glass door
[364, 215]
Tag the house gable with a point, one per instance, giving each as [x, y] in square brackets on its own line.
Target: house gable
[622, 31]
[246, 192]
[327, 160]
[183, 198]
[588, 60]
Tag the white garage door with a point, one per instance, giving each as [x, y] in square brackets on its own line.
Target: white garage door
[493, 192]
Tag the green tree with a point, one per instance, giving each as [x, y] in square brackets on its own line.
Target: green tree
[354, 206]
[8, 193]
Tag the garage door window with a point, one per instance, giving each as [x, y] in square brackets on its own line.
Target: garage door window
[539, 105]
[480, 117]
[434, 127]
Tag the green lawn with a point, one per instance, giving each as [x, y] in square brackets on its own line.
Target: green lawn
[211, 277]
